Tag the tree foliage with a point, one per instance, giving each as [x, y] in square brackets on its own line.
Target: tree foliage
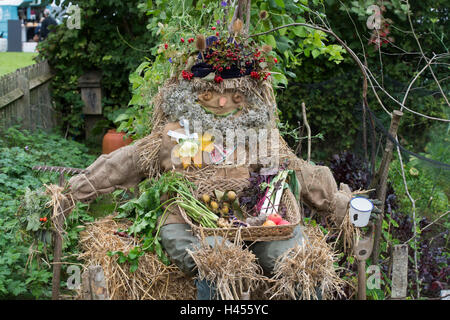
[112, 38]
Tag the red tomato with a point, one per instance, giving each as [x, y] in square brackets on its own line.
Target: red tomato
[275, 217]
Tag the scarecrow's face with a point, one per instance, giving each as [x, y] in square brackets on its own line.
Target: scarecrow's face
[226, 103]
[234, 104]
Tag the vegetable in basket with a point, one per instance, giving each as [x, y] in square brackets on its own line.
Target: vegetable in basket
[269, 204]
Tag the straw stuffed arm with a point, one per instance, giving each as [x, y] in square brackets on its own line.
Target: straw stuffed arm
[319, 189]
[117, 170]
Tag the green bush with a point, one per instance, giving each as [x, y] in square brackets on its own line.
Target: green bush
[24, 272]
[431, 199]
[113, 38]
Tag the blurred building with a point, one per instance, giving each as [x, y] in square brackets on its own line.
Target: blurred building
[30, 13]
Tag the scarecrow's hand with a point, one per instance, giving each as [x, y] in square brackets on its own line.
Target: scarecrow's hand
[376, 204]
[117, 170]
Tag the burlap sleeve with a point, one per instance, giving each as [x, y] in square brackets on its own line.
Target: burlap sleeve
[319, 189]
[117, 170]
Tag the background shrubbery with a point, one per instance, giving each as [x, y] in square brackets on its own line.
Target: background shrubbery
[113, 38]
[21, 276]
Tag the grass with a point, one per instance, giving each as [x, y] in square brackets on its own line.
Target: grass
[11, 61]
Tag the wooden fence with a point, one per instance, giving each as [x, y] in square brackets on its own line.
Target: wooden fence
[25, 98]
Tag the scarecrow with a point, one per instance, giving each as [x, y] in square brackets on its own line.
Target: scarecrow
[224, 89]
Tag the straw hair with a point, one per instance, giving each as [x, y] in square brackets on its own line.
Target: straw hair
[234, 270]
[61, 204]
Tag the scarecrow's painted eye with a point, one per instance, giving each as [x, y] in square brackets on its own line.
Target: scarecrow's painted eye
[237, 98]
[206, 96]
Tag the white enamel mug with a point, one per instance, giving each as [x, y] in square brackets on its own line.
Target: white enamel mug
[360, 209]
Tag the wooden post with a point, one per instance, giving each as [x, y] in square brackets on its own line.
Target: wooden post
[361, 279]
[399, 271]
[91, 94]
[57, 249]
[94, 284]
[382, 182]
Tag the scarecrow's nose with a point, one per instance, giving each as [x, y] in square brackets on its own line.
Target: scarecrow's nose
[222, 101]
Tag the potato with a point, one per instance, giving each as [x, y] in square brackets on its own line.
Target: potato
[231, 195]
[206, 198]
[214, 205]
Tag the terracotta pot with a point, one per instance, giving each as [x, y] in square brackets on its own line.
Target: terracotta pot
[114, 140]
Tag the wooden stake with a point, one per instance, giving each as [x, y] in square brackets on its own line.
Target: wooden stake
[308, 130]
[382, 182]
[362, 280]
[399, 271]
[57, 249]
[94, 284]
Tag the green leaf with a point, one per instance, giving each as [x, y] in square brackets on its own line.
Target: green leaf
[270, 40]
[315, 53]
[291, 74]
[280, 3]
[133, 254]
[300, 31]
[134, 266]
[122, 259]
[122, 117]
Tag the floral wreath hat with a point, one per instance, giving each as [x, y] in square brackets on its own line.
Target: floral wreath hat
[220, 57]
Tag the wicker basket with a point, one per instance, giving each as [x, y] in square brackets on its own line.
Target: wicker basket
[252, 233]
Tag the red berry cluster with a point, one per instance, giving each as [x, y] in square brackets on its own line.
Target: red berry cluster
[258, 75]
[254, 75]
[223, 55]
[218, 79]
[44, 219]
[187, 75]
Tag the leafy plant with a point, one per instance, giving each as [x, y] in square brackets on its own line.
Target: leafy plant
[148, 209]
[431, 200]
[25, 244]
[349, 169]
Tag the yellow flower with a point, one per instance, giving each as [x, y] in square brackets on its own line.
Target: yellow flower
[206, 142]
[188, 148]
[190, 151]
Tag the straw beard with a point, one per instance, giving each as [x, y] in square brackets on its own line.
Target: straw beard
[180, 101]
